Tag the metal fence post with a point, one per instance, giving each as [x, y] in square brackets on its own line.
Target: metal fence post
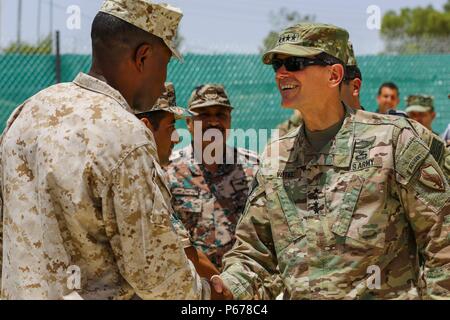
[58, 59]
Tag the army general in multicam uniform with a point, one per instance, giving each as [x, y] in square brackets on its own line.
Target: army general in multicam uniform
[210, 195]
[83, 193]
[365, 216]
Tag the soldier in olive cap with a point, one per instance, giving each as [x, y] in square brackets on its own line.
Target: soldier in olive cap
[350, 90]
[86, 209]
[351, 205]
[421, 109]
[210, 190]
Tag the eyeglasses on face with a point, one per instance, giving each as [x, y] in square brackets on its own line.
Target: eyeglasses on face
[293, 64]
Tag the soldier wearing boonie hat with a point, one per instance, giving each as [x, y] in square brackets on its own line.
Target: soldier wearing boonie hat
[104, 219]
[209, 196]
[344, 186]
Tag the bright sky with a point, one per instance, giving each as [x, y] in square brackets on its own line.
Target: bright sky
[208, 25]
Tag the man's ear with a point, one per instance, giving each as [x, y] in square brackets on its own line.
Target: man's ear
[433, 115]
[142, 55]
[336, 75]
[147, 123]
[190, 123]
[356, 87]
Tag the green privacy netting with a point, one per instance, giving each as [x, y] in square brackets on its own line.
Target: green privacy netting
[249, 83]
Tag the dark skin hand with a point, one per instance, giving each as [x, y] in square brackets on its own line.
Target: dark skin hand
[206, 269]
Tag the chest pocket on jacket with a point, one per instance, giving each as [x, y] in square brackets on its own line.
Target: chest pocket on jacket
[287, 225]
[188, 206]
[360, 227]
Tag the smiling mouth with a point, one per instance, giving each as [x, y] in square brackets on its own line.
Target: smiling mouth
[286, 87]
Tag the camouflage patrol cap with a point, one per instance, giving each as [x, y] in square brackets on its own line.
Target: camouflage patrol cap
[160, 20]
[168, 102]
[310, 39]
[419, 103]
[209, 95]
[351, 59]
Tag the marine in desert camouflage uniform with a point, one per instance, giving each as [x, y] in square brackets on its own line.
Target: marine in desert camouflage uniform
[367, 216]
[84, 195]
[209, 199]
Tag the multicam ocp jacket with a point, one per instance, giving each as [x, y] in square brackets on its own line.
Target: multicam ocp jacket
[366, 218]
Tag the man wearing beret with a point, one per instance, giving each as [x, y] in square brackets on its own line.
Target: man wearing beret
[351, 205]
[86, 210]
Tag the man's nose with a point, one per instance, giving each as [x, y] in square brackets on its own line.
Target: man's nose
[175, 138]
[213, 121]
[281, 73]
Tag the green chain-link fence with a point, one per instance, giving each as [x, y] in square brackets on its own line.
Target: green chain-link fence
[249, 83]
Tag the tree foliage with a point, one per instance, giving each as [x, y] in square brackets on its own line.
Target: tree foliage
[280, 20]
[43, 47]
[417, 30]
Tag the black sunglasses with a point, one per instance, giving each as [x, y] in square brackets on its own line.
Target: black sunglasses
[296, 63]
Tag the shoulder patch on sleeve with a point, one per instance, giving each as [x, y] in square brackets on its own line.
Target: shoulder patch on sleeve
[431, 178]
[411, 157]
[437, 149]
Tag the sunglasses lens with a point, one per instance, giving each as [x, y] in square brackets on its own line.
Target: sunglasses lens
[293, 64]
[276, 64]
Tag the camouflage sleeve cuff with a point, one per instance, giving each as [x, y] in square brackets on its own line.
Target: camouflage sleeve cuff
[239, 287]
[206, 289]
[186, 242]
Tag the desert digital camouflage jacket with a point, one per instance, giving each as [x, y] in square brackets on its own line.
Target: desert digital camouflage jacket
[210, 204]
[366, 218]
[84, 196]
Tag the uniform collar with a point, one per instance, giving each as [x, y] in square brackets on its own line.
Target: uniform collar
[337, 152]
[93, 84]
[342, 148]
[198, 169]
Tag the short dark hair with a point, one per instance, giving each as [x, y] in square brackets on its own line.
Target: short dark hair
[155, 117]
[112, 36]
[328, 58]
[389, 85]
[351, 73]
